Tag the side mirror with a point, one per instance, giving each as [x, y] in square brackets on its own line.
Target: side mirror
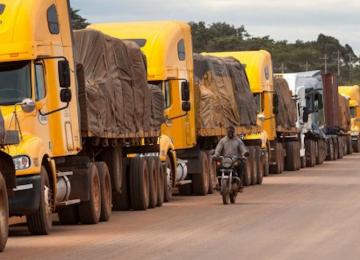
[305, 115]
[185, 91]
[28, 105]
[65, 95]
[246, 154]
[186, 106]
[64, 73]
[261, 117]
[275, 104]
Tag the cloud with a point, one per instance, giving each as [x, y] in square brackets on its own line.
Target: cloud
[281, 19]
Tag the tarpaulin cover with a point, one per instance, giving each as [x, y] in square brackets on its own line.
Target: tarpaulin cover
[344, 113]
[222, 92]
[115, 99]
[286, 117]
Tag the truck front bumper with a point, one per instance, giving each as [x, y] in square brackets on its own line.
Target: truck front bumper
[26, 199]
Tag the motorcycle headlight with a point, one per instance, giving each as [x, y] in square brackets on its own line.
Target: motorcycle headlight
[227, 162]
[21, 162]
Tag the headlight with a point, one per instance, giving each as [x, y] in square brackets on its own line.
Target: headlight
[21, 162]
[226, 162]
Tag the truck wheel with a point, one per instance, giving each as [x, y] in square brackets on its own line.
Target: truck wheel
[139, 184]
[212, 175]
[260, 165]
[247, 173]
[336, 148]
[106, 192]
[160, 182]
[90, 211]
[4, 213]
[265, 159]
[114, 161]
[121, 199]
[330, 149]
[201, 179]
[298, 156]
[356, 145]
[40, 222]
[341, 147]
[322, 151]
[291, 159]
[310, 152]
[252, 159]
[168, 180]
[153, 183]
[278, 167]
[69, 215]
[349, 144]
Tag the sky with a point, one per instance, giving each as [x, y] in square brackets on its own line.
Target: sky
[281, 19]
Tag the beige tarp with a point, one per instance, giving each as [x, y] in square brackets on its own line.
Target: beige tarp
[344, 113]
[222, 92]
[114, 98]
[286, 117]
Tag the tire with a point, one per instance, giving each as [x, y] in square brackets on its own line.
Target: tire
[139, 184]
[40, 222]
[260, 166]
[212, 176]
[356, 145]
[247, 173]
[303, 162]
[349, 144]
[322, 151]
[168, 180]
[265, 159]
[341, 147]
[69, 215]
[298, 156]
[106, 191]
[292, 153]
[153, 183]
[336, 148]
[278, 167]
[233, 194]
[121, 200]
[310, 153]
[252, 159]
[114, 161]
[160, 182]
[225, 193]
[330, 150]
[90, 211]
[4, 214]
[201, 180]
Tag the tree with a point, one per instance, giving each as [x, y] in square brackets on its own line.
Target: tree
[77, 21]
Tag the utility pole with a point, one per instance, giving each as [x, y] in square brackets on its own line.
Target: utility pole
[325, 62]
[282, 68]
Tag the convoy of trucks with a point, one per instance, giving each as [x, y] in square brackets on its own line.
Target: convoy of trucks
[119, 116]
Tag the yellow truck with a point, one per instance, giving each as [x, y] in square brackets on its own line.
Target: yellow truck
[274, 105]
[81, 137]
[168, 49]
[7, 176]
[352, 93]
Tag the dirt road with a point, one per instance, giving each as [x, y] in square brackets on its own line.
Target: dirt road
[311, 214]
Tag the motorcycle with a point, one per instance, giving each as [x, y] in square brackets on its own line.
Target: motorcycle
[230, 183]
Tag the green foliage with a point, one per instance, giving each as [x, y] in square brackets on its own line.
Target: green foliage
[77, 21]
[287, 57]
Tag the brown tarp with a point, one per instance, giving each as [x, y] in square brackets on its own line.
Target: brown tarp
[114, 98]
[286, 117]
[344, 113]
[223, 95]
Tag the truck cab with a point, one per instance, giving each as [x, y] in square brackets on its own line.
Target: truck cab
[353, 95]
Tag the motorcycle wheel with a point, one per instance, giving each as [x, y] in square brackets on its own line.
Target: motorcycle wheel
[225, 193]
[234, 193]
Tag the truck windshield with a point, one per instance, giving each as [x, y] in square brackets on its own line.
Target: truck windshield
[15, 82]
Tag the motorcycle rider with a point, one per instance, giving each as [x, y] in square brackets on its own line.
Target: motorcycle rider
[231, 146]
